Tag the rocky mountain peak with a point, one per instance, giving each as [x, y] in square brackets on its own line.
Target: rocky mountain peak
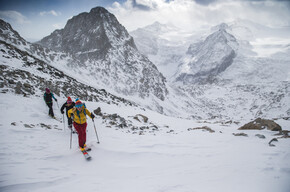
[89, 35]
[107, 54]
[220, 26]
[5, 26]
[8, 34]
[99, 10]
[208, 58]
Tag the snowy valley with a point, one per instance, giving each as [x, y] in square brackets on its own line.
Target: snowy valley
[168, 103]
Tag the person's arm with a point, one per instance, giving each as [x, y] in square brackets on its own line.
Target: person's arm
[92, 116]
[69, 112]
[62, 108]
[53, 97]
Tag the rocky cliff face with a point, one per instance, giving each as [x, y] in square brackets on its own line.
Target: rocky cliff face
[23, 73]
[104, 51]
[11, 37]
[207, 59]
[7, 34]
[89, 35]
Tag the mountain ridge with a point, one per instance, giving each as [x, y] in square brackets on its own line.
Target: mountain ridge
[31, 75]
[247, 96]
[209, 58]
[103, 50]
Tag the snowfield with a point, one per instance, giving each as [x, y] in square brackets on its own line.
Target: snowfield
[36, 155]
[193, 149]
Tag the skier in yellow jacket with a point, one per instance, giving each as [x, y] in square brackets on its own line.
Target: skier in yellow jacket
[79, 113]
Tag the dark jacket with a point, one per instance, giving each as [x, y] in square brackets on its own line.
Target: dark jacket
[48, 97]
[67, 107]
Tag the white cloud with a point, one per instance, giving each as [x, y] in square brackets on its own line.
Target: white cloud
[52, 12]
[14, 17]
[57, 26]
[189, 14]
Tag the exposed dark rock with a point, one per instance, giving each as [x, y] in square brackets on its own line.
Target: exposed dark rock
[260, 136]
[240, 134]
[260, 124]
[118, 122]
[65, 84]
[284, 134]
[205, 128]
[98, 111]
[28, 126]
[45, 126]
[144, 118]
[270, 143]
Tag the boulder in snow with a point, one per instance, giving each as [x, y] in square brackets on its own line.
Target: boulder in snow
[260, 124]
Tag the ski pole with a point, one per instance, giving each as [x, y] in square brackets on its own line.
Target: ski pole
[57, 104]
[70, 137]
[96, 131]
[63, 122]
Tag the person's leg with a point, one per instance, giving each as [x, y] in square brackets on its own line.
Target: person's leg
[52, 114]
[50, 111]
[85, 133]
[69, 122]
[81, 129]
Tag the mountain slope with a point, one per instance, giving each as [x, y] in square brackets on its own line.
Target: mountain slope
[9, 36]
[164, 45]
[221, 72]
[36, 154]
[106, 55]
[24, 73]
[250, 87]
[209, 58]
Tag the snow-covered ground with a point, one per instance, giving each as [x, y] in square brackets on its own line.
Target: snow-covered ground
[37, 158]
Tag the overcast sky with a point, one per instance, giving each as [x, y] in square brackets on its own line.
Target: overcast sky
[35, 19]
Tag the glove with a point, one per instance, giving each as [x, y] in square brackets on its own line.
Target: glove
[92, 115]
[62, 112]
[56, 100]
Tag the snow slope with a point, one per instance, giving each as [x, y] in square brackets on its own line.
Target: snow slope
[35, 157]
[163, 154]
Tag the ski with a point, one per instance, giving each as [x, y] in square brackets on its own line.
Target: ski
[87, 156]
[88, 149]
[57, 119]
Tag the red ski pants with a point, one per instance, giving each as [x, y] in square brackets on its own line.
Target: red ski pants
[81, 129]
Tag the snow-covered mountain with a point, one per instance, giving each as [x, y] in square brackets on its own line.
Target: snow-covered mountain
[239, 70]
[209, 58]
[106, 56]
[235, 80]
[26, 70]
[11, 37]
[164, 45]
[258, 40]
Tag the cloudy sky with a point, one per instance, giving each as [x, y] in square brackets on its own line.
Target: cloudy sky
[35, 19]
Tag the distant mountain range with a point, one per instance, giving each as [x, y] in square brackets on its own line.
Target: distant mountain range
[239, 68]
[213, 74]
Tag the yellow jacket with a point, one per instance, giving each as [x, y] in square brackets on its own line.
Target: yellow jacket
[79, 116]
